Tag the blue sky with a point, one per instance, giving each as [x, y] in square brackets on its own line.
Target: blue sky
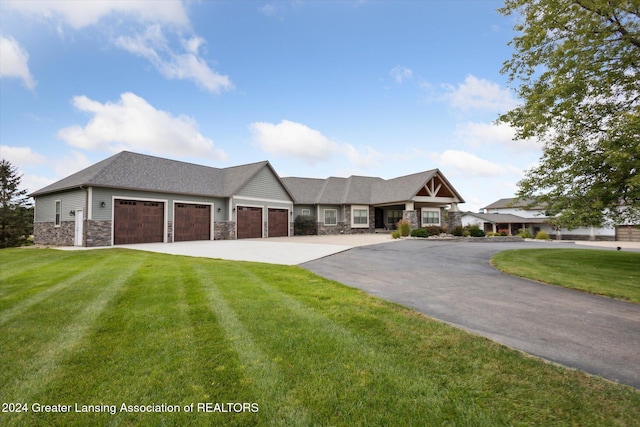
[318, 88]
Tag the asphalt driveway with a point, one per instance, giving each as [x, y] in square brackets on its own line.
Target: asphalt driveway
[454, 282]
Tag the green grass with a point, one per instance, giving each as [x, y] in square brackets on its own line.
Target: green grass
[113, 326]
[611, 273]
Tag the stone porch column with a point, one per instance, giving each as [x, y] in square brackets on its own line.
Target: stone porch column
[455, 217]
[409, 214]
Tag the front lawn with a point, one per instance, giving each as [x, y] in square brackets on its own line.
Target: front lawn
[143, 336]
[604, 272]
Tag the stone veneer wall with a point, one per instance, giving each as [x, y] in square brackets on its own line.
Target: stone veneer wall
[412, 217]
[454, 219]
[46, 233]
[97, 233]
[224, 230]
[344, 227]
[324, 230]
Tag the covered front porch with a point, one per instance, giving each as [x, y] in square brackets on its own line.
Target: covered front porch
[418, 214]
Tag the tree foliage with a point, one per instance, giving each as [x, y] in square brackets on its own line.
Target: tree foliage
[576, 65]
[16, 214]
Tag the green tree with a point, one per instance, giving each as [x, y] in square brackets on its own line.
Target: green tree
[576, 67]
[16, 213]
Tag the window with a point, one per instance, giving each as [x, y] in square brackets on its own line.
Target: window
[306, 212]
[359, 216]
[58, 212]
[393, 217]
[430, 217]
[330, 217]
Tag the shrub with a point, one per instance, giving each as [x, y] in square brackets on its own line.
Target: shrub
[419, 232]
[542, 235]
[434, 230]
[304, 225]
[492, 234]
[525, 233]
[503, 232]
[396, 234]
[476, 231]
[404, 227]
[457, 230]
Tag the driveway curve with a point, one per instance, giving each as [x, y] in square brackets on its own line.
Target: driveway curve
[454, 282]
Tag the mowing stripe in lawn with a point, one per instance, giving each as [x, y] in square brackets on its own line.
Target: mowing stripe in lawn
[264, 374]
[41, 369]
[337, 354]
[27, 303]
[15, 263]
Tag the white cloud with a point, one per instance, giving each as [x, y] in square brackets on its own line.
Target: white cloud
[468, 164]
[297, 140]
[365, 157]
[21, 156]
[72, 163]
[91, 12]
[400, 73]
[134, 124]
[293, 139]
[153, 46]
[269, 10]
[478, 135]
[33, 183]
[479, 94]
[13, 62]
[172, 63]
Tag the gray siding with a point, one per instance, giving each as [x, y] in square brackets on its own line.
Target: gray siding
[70, 200]
[250, 202]
[106, 195]
[339, 208]
[297, 210]
[264, 185]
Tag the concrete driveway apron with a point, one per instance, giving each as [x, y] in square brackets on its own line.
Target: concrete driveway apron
[454, 282]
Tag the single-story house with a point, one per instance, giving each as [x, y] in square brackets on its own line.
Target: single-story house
[136, 198]
[512, 215]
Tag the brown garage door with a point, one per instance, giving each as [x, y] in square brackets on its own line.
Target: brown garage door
[628, 233]
[278, 223]
[191, 222]
[249, 222]
[136, 221]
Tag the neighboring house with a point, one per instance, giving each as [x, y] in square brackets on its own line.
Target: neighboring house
[135, 198]
[512, 215]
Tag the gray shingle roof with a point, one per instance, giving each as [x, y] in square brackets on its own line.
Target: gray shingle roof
[360, 189]
[304, 190]
[513, 202]
[149, 173]
[142, 172]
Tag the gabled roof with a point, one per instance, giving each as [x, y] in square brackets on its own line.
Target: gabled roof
[402, 188]
[364, 190]
[142, 172]
[304, 190]
[513, 202]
